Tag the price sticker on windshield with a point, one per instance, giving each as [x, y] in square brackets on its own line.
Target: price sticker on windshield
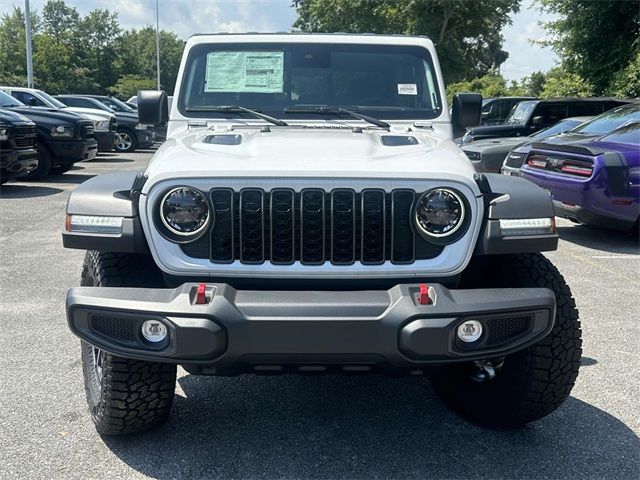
[407, 89]
[244, 72]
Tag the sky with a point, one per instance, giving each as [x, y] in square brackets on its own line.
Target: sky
[185, 17]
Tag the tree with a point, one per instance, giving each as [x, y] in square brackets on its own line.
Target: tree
[560, 83]
[534, 84]
[13, 59]
[129, 85]
[490, 85]
[594, 39]
[467, 34]
[626, 83]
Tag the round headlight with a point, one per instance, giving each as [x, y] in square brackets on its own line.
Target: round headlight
[439, 213]
[185, 211]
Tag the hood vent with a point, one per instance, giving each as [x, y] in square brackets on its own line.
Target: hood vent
[223, 139]
[398, 140]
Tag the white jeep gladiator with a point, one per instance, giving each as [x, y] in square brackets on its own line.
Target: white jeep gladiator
[309, 213]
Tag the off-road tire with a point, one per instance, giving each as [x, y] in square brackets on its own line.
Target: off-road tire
[129, 396]
[44, 165]
[533, 382]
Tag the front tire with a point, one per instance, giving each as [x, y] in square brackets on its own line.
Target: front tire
[44, 165]
[533, 382]
[126, 141]
[124, 396]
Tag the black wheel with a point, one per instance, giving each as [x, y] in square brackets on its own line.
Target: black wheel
[44, 165]
[124, 396]
[528, 384]
[126, 140]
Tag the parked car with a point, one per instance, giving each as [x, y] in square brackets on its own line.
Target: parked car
[121, 107]
[18, 141]
[104, 123]
[64, 138]
[598, 126]
[489, 155]
[496, 110]
[309, 237]
[133, 102]
[531, 116]
[130, 134]
[594, 182]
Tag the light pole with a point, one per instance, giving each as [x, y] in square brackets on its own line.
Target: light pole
[157, 44]
[27, 21]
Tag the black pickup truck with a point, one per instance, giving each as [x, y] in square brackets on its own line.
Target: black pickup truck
[18, 137]
[63, 138]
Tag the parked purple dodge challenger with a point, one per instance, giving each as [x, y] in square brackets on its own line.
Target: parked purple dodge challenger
[595, 182]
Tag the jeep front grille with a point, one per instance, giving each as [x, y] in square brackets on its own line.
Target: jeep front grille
[312, 226]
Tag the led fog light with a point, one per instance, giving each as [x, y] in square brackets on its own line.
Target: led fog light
[470, 331]
[154, 331]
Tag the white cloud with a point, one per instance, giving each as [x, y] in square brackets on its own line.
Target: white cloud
[525, 56]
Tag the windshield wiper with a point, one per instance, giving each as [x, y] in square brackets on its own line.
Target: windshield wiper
[238, 109]
[337, 111]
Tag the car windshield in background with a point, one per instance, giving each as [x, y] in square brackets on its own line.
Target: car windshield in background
[520, 112]
[609, 121]
[7, 101]
[391, 82]
[53, 101]
[629, 134]
[117, 105]
[560, 127]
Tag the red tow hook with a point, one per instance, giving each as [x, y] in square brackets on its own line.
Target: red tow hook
[201, 294]
[423, 296]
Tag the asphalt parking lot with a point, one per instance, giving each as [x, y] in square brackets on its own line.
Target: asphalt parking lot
[291, 426]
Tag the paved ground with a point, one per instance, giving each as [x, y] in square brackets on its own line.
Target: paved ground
[299, 427]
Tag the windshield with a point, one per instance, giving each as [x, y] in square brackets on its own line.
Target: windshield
[54, 102]
[608, 121]
[378, 80]
[520, 113]
[117, 105]
[560, 127]
[7, 100]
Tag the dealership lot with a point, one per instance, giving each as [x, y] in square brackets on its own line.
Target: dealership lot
[290, 426]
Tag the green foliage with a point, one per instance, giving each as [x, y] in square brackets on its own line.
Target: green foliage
[128, 85]
[467, 33]
[560, 83]
[533, 85]
[626, 82]
[594, 39]
[85, 54]
[491, 85]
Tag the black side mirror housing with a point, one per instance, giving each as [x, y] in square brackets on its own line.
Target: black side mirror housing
[153, 107]
[466, 110]
[537, 121]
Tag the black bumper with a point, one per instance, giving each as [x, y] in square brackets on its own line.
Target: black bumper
[242, 331]
[145, 137]
[581, 215]
[16, 163]
[74, 150]
[105, 140]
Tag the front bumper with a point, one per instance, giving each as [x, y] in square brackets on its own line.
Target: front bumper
[74, 150]
[16, 163]
[241, 331]
[105, 140]
[146, 137]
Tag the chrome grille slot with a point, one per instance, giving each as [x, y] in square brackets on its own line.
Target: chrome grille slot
[373, 227]
[222, 237]
[252, 226]
[402, 236]
[343, 226]
[312, 226]
[282, 226]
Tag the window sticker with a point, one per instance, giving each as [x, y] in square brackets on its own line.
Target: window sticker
[244, 72]
[407, 89]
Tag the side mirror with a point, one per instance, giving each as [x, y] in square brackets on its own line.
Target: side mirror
[537, 121]
[466, 110]
[152, 107]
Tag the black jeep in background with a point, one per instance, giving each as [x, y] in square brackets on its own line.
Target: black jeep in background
[496, 110]
[18, 140]
[530, 116]
[63, 138]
